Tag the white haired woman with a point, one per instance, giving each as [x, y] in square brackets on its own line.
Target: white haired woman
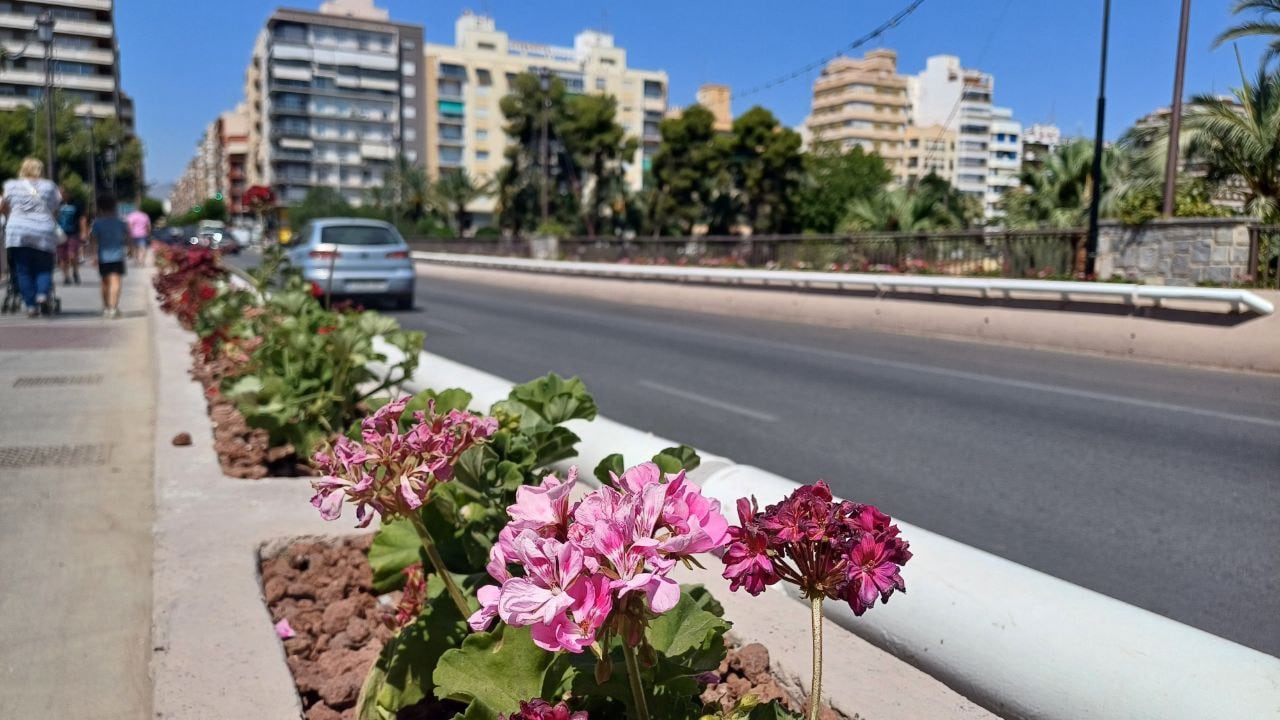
[31, 205]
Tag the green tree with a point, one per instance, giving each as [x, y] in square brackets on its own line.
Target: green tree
[410, 191]
[767, 169]
[1267, 25]
[526, 108]
[600, 147]
[152, 207]
[832, 181]
[689, 183]
[214, 209]
[931, 205]
[1241, 140]
[453, 192]
[319, 202]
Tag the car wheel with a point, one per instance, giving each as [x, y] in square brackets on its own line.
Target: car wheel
[404, 302]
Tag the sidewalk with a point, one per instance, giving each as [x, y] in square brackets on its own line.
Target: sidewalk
[77, 401]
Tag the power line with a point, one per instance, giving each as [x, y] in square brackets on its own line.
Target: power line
[801, 72]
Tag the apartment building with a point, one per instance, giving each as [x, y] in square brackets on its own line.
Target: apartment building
[466, 80]
[333, 99]
[929, 150]
[86, 57]
[719, 100]
[1039, 141]
[988, 149]
[863, 103]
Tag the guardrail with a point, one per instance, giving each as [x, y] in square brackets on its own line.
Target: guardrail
[1021, 643]
[1239, 300]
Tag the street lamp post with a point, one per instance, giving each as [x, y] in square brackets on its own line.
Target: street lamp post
[44, 32]
[544, 81]
[1095, 199]
[1175, 117]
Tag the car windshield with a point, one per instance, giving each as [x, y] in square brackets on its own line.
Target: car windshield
[357, 235]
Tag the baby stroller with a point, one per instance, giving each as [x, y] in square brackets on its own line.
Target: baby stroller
[12, 302]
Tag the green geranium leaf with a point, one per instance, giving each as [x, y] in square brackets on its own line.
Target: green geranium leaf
[408, 658]
[675, 459]
[555, 399]
[688, 637]
[704, 599]
[610, 464]
[772, 711]
[496, 670]
[394, 548]
[246, 385]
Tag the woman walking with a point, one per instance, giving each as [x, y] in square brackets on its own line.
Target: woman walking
[31, 205]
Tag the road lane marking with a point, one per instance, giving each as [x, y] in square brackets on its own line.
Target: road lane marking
[709, 401]
[446, 326]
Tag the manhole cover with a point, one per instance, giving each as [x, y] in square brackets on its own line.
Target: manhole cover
[53, 456]
[56, 381]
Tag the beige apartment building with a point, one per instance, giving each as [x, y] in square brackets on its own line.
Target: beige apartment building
[719, 100]
[466, 80]
[863, 103]
[929, 149]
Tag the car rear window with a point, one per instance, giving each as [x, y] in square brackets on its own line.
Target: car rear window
[357, 235]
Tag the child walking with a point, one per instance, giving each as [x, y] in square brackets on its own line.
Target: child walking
[108, 237]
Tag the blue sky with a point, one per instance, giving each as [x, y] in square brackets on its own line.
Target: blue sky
[184, 61]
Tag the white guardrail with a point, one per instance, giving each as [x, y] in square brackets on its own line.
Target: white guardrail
[1025, 645]
[1238, 299]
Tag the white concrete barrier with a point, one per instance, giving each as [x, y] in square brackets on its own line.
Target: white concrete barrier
[1021, 643]
[1236, 298]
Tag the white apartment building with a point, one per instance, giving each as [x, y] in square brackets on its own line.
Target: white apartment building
[466, 80]
[334, 98]
[86, 57]
[988, 153]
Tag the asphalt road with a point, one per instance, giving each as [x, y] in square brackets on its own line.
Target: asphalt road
[1153, 484]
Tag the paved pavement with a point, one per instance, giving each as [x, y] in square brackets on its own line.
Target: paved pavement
[76, 422]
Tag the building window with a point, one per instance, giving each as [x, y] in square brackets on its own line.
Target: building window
[652, 89]
[484, 78]
[607, 61]
[410, 135]
[482, 156]
[409, 69]
[448, 107]
[482, 134]
[410, 91]
[410, 112]
[600, 83]
[486, 46]
[482, 112]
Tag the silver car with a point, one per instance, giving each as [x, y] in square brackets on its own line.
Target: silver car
[350, 257]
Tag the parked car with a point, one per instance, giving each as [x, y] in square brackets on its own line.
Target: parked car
[355, 258]
[215, 235]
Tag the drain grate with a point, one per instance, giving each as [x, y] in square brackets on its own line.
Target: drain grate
[53, 456]
[56, 381]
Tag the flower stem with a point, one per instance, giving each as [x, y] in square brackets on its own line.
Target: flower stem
[815, 687]
[437, 562]
[637, 689]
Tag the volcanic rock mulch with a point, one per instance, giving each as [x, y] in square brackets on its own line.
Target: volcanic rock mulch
[324, 589]
[243, 452]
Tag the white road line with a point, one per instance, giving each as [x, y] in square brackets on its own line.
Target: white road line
[446, 326]
[709, 401]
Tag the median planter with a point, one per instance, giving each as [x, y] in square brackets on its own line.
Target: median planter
[333, 625]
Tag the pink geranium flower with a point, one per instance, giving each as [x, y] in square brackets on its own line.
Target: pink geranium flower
[390, 473]
[566, 571]
[542, 710]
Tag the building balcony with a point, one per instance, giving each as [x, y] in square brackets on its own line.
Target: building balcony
[61, 81]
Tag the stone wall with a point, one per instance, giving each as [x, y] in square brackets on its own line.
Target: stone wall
[1181, 251]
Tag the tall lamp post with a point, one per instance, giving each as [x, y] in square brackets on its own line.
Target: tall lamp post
[544, 81]
[1175, 117]
[44, 32]
[93, 163]
[1095, 199]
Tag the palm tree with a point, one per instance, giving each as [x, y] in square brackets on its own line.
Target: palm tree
[1267, 25]
[1241, 139]
[454, 191]
[900, 210]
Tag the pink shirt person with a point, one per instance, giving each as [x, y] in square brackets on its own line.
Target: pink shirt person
[139, 225]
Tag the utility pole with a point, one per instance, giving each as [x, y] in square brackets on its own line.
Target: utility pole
[1175, 118]
[93, 166]
[1095, 199]
[44, 31]
[544, 78]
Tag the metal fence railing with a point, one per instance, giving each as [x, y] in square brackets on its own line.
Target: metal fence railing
[1011, 253]
[1264, 252]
